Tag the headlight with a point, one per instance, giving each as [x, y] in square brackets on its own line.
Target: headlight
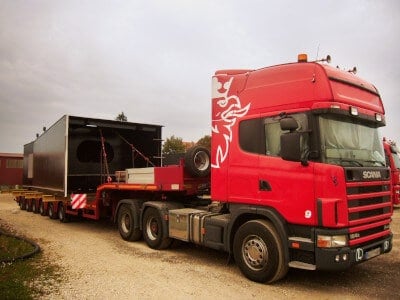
[331, 241]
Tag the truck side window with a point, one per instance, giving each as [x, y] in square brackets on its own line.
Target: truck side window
[273, 132]
[262, 135]
[250, 136]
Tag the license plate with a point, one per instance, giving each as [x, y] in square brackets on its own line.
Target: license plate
[372, 253]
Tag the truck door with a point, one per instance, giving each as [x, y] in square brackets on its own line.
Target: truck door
[284, 185]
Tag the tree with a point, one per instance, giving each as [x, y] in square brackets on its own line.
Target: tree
[205, 141]
[121, 117]
[173, 145]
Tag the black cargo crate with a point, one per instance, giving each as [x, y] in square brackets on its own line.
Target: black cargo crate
[69, 157]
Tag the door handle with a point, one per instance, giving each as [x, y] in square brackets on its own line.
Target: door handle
[264, 185]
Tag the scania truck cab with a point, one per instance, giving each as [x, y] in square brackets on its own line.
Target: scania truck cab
[298, 144]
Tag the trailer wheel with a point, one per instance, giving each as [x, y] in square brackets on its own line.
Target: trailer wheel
[126, 224]
[153, 232]
[42, 211]
[34, 207]
[259, 252]
[29, 205]
[23, 203]
[197, 161]
[62, 216]
[51, 211]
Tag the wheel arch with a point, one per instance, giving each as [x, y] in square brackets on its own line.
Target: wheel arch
[243, 214]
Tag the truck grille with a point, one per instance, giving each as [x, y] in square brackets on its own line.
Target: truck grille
[369, 204]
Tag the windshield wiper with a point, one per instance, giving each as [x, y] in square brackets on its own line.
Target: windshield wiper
[375, 162]
[351, 162]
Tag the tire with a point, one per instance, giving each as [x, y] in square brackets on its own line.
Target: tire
[153, 231]
[259, 252]
[42, 211]
[23, 204]
[29, 205]
[51, 211]
[34, 207]
[126, 224]
[62, 216]
[198, 162]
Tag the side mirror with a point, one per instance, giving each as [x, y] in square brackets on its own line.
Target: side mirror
[290, 146]
[288, 124]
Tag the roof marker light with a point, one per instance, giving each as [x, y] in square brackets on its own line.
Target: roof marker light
[302, 57]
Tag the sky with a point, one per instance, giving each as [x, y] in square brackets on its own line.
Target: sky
[153, 60]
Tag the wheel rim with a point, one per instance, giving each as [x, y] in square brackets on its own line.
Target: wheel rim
[255, 252]
[34, 206]
[152, 228]
[125, 223]
[41, 207]
[201, 161]
[50, 209]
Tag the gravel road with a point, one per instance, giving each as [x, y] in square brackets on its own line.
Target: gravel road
[98, 264]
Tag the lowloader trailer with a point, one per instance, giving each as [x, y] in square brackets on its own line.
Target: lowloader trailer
[296, 176]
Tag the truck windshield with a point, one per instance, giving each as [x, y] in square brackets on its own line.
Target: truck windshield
[347, 143]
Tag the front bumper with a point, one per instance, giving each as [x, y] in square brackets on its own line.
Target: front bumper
[337, 259]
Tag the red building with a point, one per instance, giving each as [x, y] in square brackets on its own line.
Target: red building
[11, 168]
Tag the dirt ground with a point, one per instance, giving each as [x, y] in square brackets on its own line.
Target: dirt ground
[98, 264]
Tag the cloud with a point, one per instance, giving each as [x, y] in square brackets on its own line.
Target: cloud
[154, 59]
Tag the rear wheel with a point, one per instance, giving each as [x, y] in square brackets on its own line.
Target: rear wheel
[51, 211]
[42, 211]
[34, 206]
[126, 224]
[153, 232]
[62, 216]
[22, 203]
[259, 252]
[29, 204]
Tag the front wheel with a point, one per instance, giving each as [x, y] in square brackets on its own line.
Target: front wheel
[153, 232]
[126, 225]
[259, 252]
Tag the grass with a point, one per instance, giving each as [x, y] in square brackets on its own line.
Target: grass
[25, 279]
[11, 247]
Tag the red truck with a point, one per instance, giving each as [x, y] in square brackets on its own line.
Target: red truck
[393, 161]
[296, 176]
